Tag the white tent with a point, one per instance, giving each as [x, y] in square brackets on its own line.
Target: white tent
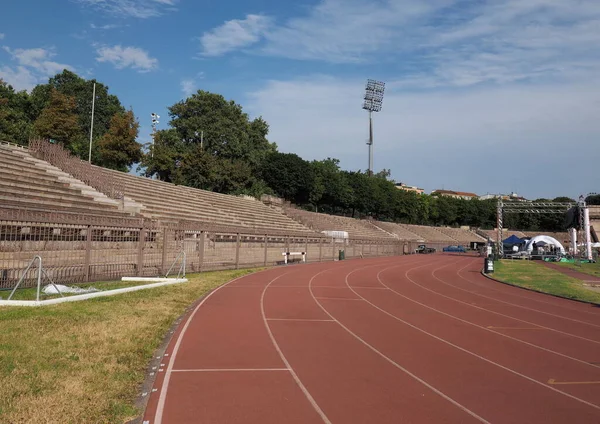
[545, 239]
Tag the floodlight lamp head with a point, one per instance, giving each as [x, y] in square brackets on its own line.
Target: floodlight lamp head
[373, 99]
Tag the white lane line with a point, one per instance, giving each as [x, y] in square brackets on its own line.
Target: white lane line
[490, 329]
[513, 304]
[338, 298]
[395, 364]
[232, 370]
[509, 293]
[300, 319]
[496, 313]
[481, 357]
[311, 400]
[165, 385]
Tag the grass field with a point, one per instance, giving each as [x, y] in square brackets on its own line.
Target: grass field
[591, 269]
[536, 276]
[84, 362]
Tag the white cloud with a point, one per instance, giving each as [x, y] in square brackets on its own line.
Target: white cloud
[234, 34]
[140, 9]
[518, 137]
[104, 27]
[20, 77]
[127, 57]
[444, 42]
[33, 67]
[188, 87]
[1, 36]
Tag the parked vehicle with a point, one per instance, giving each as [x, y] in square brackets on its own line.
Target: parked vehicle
[454, 249]
[424, 249]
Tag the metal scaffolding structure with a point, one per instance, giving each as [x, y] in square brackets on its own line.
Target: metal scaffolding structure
[541, 208]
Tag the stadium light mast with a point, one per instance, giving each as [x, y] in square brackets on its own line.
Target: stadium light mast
[372, 102]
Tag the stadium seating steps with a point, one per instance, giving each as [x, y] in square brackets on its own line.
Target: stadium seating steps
[27, 182]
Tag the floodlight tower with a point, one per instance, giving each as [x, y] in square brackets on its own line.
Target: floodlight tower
[372, 103]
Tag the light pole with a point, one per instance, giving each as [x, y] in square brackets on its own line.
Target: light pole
[155, 122]
[372, 102]
[92, 124]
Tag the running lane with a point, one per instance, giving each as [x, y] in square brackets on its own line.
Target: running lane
[371, 341]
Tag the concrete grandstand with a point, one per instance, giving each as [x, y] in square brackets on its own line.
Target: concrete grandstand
[91, 222]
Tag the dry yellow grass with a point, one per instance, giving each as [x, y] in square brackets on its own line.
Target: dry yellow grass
[85, 361]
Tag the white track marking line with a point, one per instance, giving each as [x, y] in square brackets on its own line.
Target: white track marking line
[232, 370]
[494, 312]
[489, 361]
[526, 297]
[338, 298]
[490, 329]
[165, 385]
[309, 397]
[395, 364]
[300, 319]
[515, 305]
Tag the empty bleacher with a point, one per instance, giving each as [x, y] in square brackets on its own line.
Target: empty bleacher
[166, 201]
[430, 234]
[400, 231]
[461, 235]
[355, 228]
[25, 184]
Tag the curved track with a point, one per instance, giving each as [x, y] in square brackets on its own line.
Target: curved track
[422, 339]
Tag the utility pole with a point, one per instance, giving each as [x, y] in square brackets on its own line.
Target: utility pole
[92, 124]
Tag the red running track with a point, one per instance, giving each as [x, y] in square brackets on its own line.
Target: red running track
[422, 339]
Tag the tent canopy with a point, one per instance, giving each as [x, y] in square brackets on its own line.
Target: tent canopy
[545, 239]
[513, 240]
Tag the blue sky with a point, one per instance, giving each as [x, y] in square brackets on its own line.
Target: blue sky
[483, 96]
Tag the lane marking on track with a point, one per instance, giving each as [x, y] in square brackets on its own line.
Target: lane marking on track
[369, 288]
[512, 304]
[158, 416]
[391, 361]
[489, 310]
[480, 326]
[302, 387]
[337, 298]
[475, 354]
[300, 319]
[554, 382]
[526, 297]
[596, 365]
[516, 328]
[232, 370]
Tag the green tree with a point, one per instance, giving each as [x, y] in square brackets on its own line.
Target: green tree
[81, 90]
[15, 115]
[165, 156]
[330, 187]
[227, 131]
[118, 146]
[289, 176]
[58, 120]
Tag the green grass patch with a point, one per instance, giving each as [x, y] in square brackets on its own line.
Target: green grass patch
[586, 268]
[536, 276]
[85, 361]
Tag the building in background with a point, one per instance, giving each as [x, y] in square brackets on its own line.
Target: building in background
[402, 186]
[456, 194]
[512, 197]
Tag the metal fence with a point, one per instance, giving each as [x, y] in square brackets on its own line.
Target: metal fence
[77, 248]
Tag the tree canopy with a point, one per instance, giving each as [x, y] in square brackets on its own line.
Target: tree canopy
[212, 144]
[61, 110]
